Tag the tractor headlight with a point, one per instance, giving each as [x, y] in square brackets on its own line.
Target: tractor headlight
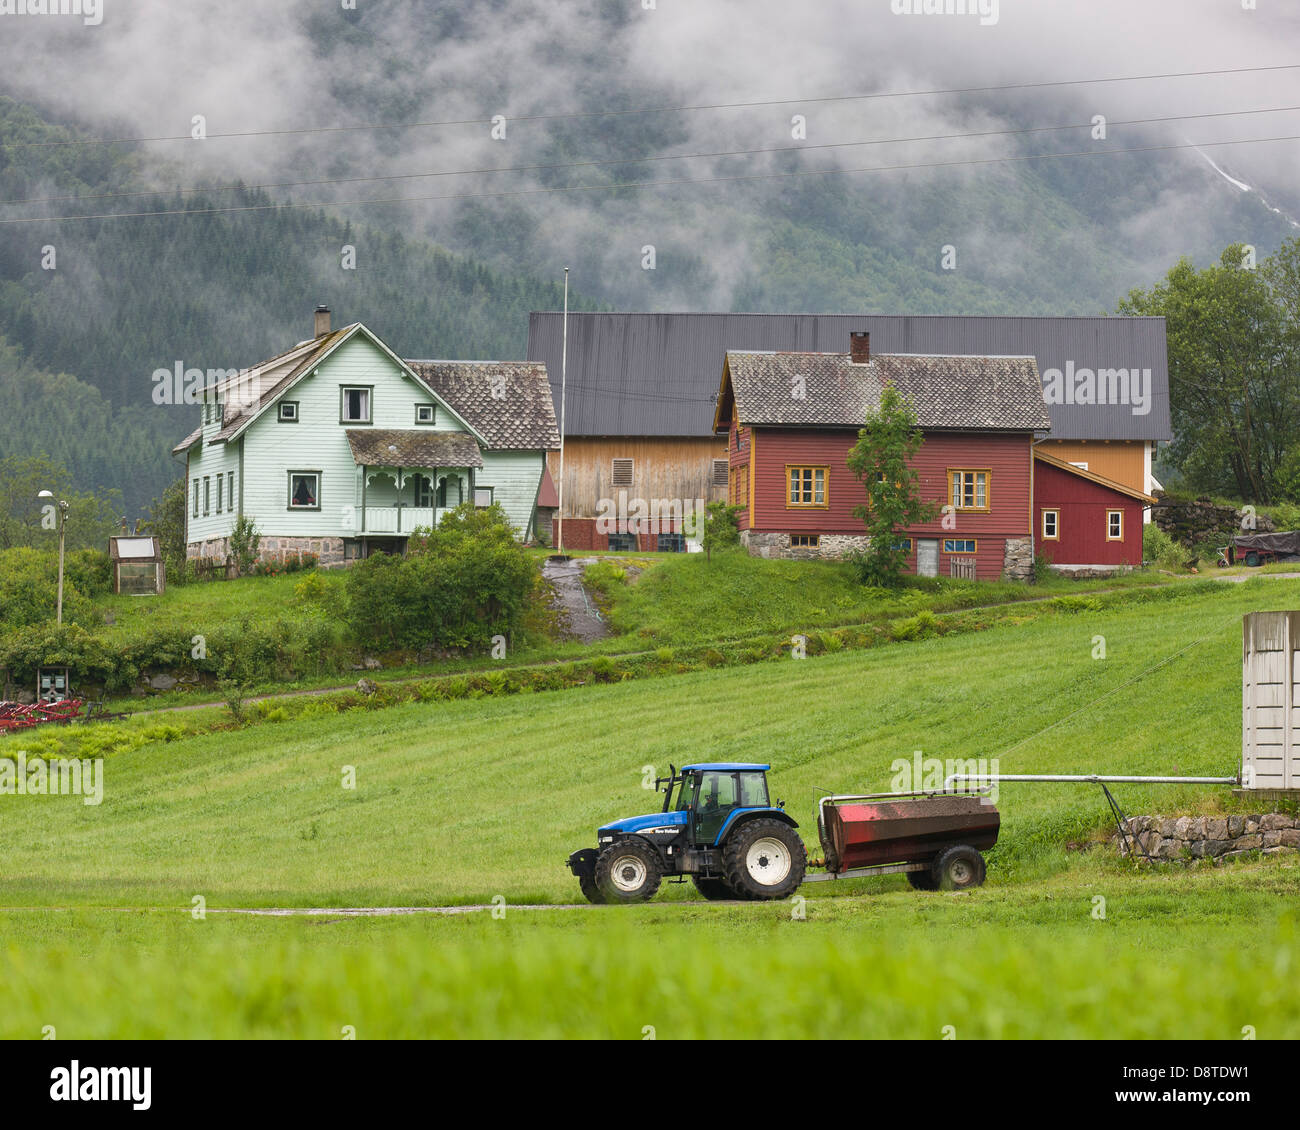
[606, 840]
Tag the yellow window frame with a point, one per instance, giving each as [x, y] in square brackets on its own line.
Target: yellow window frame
[953, 499]
[1056, 536]
[791, 503]
[1120, 535]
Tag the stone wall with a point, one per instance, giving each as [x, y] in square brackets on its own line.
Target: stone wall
[828, 547]
[1192, 522]
[1212, 837]
[1018, 559]
[328, 551]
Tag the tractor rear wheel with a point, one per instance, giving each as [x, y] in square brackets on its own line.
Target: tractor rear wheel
[764, 859]
[713, 889]
[587, 884]
[922, 880]
[628, 872]
[958, 868]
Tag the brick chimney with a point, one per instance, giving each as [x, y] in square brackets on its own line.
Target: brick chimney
[859, 347]
[322, 321]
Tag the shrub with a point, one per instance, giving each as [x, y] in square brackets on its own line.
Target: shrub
[1158, 547]
[463, 583]
[245, 543]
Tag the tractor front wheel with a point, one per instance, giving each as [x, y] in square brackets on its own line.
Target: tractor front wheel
[628, 872]
[764, 859]
[587, 884]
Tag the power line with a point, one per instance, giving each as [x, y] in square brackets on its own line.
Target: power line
[648, 184]
[654, 109]
[644, 160]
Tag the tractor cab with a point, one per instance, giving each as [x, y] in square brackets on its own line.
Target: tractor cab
[714, 817]
[713, 795]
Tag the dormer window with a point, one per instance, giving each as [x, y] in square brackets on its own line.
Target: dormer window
[355, 407]
[288, 412]
[425, 414]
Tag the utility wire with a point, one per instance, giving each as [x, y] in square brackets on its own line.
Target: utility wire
[655, 109]
[640, 160]
[649, 184]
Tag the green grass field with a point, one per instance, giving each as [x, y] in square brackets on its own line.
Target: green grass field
[460, 802]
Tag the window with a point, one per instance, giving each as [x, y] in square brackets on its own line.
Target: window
[220, 485]
[1051, 525]
[622, 543]
[806, 486]
[959, 545]
[1081, 466]
[753, 790]
[425, 414]
[621, 473]
[970, 490]
[805, 541]
[304, 490]
[196, 498]
[905, 544]
[1114, 525]
[207, 496]
[738, 492]
[355, 407]
[671, 543]
[483, 497]
[423, 491]
[288, 412]
[230, 490]
[720, 469]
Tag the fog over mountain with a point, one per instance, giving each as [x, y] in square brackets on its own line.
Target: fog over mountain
[601, 93]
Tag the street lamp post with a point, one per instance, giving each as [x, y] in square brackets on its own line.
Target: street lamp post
[63, 518]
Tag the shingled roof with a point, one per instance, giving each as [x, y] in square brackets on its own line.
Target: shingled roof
[828, 390]
[507, 402]
[412, 447]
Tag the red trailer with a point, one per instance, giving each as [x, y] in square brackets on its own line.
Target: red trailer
[936, 839]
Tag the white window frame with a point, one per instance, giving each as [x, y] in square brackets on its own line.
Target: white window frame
[1056, 525]
[1115, 514]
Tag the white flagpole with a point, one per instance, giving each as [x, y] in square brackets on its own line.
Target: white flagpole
[564, 373]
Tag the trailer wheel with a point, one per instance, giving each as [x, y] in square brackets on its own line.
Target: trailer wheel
[713, 889]
[628, 872]
[1252, 559]
[587, 884]
[958, 868]
[764, 859]
[922, 880]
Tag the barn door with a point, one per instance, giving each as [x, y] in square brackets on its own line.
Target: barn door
[927, 557]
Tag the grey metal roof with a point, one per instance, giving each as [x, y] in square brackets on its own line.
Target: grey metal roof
[658, 374]
[507, 402]
[830, 390]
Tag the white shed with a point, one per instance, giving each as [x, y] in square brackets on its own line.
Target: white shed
[1270, 700]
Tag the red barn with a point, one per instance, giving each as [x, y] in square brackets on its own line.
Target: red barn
[1083, 521]
[792, 418]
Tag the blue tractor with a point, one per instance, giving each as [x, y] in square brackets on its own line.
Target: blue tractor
[717, 825]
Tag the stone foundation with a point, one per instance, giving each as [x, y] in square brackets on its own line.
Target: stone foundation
[1089, 572]
[1212, 837]
[829, 547]
[1018, 559]
[328, 551]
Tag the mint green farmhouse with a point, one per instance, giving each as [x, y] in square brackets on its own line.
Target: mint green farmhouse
[338, 447]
